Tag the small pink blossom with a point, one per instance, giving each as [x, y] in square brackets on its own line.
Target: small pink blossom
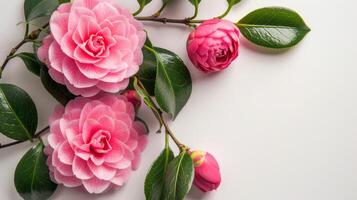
[133, 97]
[94, 143]
[94, 45]
[213, 45]
[207, 173]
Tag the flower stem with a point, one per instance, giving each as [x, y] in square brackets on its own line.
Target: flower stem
[225, 13]
[28, 38]
[37, 135]
[158, 13]
[162, 120]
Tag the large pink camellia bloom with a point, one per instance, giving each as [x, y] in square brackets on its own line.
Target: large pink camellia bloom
[213, 45]
[94, 142]
[94, 45]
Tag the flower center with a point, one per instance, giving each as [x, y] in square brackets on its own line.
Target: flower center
[96, 45]
[100, 142]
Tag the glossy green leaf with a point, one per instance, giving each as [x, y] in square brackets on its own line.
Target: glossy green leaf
[154, 182]
[273, 27]
[31, 62]
[147, 72]
[173, 84]
[18, 114]
[32, 180]
[39, 8]
[58, 91]
[179, 177]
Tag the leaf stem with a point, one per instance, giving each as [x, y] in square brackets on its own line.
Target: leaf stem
[226, 12]
[37, 135]
[186, 21]
[28, 38]
[162, 121]
[195, 14]
[138, 11]
[158, 13]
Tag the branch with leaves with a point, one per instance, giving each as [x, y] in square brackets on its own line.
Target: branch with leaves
[163, 82]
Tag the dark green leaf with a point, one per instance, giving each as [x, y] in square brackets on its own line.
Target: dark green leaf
[273, 27]
[147, 72]
[58, 91]
[63, 1]
[31, 62]
[179, 177]
[18, 114]
[173, 85]
[39, 8]
[154, 182]
[32, 178]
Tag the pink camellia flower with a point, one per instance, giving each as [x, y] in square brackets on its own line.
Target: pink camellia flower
[94, 142]
[207, 174]
[213, 45]
[133, 97]
[94, 45]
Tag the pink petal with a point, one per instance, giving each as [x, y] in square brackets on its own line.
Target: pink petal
[56, 56]
[90, 127]
[113, 87]
[68, 181]
[74, 76]
[66, 154]
[59, 25]
[81, 169]
[68, 45]
[91, 71]
[102, 172]
[95, 185]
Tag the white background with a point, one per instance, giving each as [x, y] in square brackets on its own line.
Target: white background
[282, 124]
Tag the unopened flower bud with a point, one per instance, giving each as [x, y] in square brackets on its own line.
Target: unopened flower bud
[207, 173]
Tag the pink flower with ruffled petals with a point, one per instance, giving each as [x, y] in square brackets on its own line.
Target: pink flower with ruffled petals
[94, 45]
[95, 142]
[213, 45]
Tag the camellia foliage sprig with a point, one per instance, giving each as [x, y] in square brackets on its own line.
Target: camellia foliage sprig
[95, 59]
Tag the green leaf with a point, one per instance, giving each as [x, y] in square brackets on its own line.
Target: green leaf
[39, 8]
[173, 84]
[233, 2]
[31, 62]
[273, 27]
[147, 72]
[143, 3]
[195, 2]
[154, 181]
[32, 178]
[58, 91]
[179, 177]
[18, 114]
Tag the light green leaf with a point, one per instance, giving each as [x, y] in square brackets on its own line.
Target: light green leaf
[273, 27]
[18, 114]
[32, 178]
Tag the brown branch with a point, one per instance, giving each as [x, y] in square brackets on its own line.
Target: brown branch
[186, 21]
[37, 135]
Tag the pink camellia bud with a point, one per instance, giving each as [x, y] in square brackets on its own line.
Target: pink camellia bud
[213, 45]
[207, 174]
[133, 97]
